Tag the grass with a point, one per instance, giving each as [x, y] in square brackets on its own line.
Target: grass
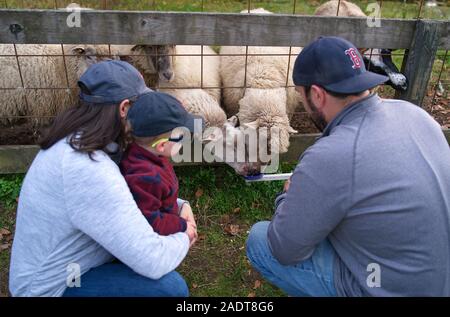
[225, 208]
[9, 191]
[389, 9]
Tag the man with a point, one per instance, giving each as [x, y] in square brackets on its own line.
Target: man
[367, 209]
[76, 213]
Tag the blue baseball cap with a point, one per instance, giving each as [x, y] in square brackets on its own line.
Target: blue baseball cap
[111, 82]
[155, 113]
[335, 64]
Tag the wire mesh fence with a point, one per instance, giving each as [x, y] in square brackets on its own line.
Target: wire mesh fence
[41, 80]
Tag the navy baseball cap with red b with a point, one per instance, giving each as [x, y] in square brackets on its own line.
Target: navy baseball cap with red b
[111, 82]
[336, 65]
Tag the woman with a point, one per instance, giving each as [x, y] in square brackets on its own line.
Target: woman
[76, 213]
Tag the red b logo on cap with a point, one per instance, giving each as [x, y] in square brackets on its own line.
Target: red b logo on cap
[351, 52]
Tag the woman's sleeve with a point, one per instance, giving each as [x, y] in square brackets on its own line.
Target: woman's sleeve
[100, 204]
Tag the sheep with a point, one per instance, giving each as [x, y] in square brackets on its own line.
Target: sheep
[154, 61]
[346, 9]
[266, 102]
[167, 73]
[376, 60]
[47, 71]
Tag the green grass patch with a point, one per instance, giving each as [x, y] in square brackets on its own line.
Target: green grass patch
[389, 9]
[9, 191]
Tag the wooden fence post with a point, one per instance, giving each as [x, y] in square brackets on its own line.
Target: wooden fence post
[420, 59]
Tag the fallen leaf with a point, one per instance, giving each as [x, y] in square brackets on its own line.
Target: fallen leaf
[4, 246]
[232, 229]
[252, 294]
[4, 231]
[199, 193]
[257, 284]
[236, 210]
[256, 205]
[225, 219]
[194, 285]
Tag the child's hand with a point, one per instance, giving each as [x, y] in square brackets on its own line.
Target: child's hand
[187, 214]
[191, 231]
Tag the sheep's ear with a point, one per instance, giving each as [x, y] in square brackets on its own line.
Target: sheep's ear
[292, 130]
[233, 121]
[211, 134]
[210, 138]
[252, 125]
[137, 47]
[79, 50]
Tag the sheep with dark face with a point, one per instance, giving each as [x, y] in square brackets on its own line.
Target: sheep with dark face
[156, 62]
[182, 72]
[376, 60]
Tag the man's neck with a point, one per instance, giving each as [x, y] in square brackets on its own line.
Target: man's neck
[353, 99]
[341, 104]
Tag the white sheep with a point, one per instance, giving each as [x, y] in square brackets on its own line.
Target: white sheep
[186, 70]
[43, 69]
[266, 102]
[346, 9]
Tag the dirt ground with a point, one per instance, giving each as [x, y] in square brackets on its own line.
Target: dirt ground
[23, 133]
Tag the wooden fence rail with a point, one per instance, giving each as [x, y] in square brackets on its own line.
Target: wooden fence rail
[133, 27]
[17, 158]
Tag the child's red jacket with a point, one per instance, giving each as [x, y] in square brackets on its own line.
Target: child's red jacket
[154, 185]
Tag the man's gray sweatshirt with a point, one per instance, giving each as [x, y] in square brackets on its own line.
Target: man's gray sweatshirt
[377, 185]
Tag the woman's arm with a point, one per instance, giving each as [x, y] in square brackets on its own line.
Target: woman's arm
[100, 204]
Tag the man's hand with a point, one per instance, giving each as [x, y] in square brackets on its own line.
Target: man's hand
[287, 184]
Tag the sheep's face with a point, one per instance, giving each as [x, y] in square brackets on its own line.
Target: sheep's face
[249, 147]
[228, 145]
[87, 55]
[380, 62]
[159, 59]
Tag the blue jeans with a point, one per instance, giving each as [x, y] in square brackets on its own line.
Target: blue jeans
[311, 277]
[117, 280]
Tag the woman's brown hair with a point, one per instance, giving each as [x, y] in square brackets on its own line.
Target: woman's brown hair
[88, 127]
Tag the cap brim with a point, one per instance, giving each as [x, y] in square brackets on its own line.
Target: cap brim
[190, 122]
[358, 83]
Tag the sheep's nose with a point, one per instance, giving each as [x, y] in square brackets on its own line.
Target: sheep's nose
[168, 75]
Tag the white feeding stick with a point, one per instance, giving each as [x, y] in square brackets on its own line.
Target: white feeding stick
[269, 177]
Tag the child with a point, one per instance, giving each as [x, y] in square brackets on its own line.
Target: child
[146, 167]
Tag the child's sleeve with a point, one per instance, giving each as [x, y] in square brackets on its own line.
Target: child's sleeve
[147, 192]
